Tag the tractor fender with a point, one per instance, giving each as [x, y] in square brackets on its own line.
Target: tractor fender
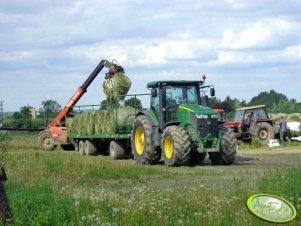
[151, 116]
[175, 123]
[44, 131]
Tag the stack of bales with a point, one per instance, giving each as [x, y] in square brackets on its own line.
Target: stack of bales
[106, 121]
[115, 87]
[101, 121]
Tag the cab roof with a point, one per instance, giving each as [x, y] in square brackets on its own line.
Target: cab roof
[175, 82]
[250, 107]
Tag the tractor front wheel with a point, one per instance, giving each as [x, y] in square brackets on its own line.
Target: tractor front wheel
[175, 145]
[228, 146]
[46, 141]
[141, 141]
[264, 132]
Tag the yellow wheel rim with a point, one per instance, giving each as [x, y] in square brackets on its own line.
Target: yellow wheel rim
[168, 147]
[139, 140]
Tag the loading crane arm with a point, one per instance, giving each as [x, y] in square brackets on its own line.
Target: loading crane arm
[56, 130]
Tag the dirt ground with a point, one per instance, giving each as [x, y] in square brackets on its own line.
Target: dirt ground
[248, 167]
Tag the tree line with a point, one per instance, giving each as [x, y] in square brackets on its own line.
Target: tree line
[275, 102]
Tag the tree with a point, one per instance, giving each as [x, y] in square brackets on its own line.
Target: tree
[22, 119]
[104, 104]
[50, 107]
[133, 102]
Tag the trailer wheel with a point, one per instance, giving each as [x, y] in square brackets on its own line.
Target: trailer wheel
[228, 146]
[117, 150]
[142, 143]
[175, 145]
[264, 132]
[46, 141]
[81, 147]
[90, 148]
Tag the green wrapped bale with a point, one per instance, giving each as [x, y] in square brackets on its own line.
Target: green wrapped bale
[119, 84]
[101, 121]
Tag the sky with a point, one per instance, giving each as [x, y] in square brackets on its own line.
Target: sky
[49, 47]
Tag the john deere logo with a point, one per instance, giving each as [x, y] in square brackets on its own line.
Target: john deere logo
[271, 208]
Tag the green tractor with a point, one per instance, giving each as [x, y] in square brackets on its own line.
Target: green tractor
[180, 127]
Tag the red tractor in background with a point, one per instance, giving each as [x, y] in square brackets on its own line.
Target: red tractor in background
[252, 122]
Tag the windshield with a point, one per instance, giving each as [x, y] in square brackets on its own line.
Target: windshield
[181, 94]
[238, 116]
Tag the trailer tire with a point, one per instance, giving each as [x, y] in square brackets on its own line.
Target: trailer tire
[81, 147]
[175, 145]
[228, 146]
[264, 132]
[142, 143]
[90, 148]
[46, 141]
[117, 150]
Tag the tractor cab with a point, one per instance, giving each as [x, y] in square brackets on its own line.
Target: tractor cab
[252, 122]
[167, 97]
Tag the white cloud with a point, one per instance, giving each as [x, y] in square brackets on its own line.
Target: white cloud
[261, 34]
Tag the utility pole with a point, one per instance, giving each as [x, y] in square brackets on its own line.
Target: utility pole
[1, 113]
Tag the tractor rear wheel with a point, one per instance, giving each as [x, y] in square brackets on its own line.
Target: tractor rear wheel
[90, 148]
[142, 143]
[196, 157]
[264, 132]
[46, 141]
[175, 145]
[117, 150]
[228, 146]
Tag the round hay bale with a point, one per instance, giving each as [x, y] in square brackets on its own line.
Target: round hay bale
[125, 117]
[119, 84]
[293, 118]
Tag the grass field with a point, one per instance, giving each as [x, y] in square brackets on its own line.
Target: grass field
[63, 188]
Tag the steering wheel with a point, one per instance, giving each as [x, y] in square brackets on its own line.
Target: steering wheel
[179, 97]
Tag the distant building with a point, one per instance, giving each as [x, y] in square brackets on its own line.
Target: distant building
[33, 112]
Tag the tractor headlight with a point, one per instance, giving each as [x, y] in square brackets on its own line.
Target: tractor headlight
[201, 116]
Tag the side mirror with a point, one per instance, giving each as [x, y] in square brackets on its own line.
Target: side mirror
[212, 92]
[154, 93]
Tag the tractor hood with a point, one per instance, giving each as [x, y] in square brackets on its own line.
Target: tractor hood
[198, 109]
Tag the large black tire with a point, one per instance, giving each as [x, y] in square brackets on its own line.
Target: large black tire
[81, 147]
[142, 143]
[175, 145]
[228, 146]
[196, 157]
[90, 148]
[117, 150]
[5, 211]
[46, 142]
[264, 132]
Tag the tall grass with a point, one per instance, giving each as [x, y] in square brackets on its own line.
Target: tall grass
[63, 188]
